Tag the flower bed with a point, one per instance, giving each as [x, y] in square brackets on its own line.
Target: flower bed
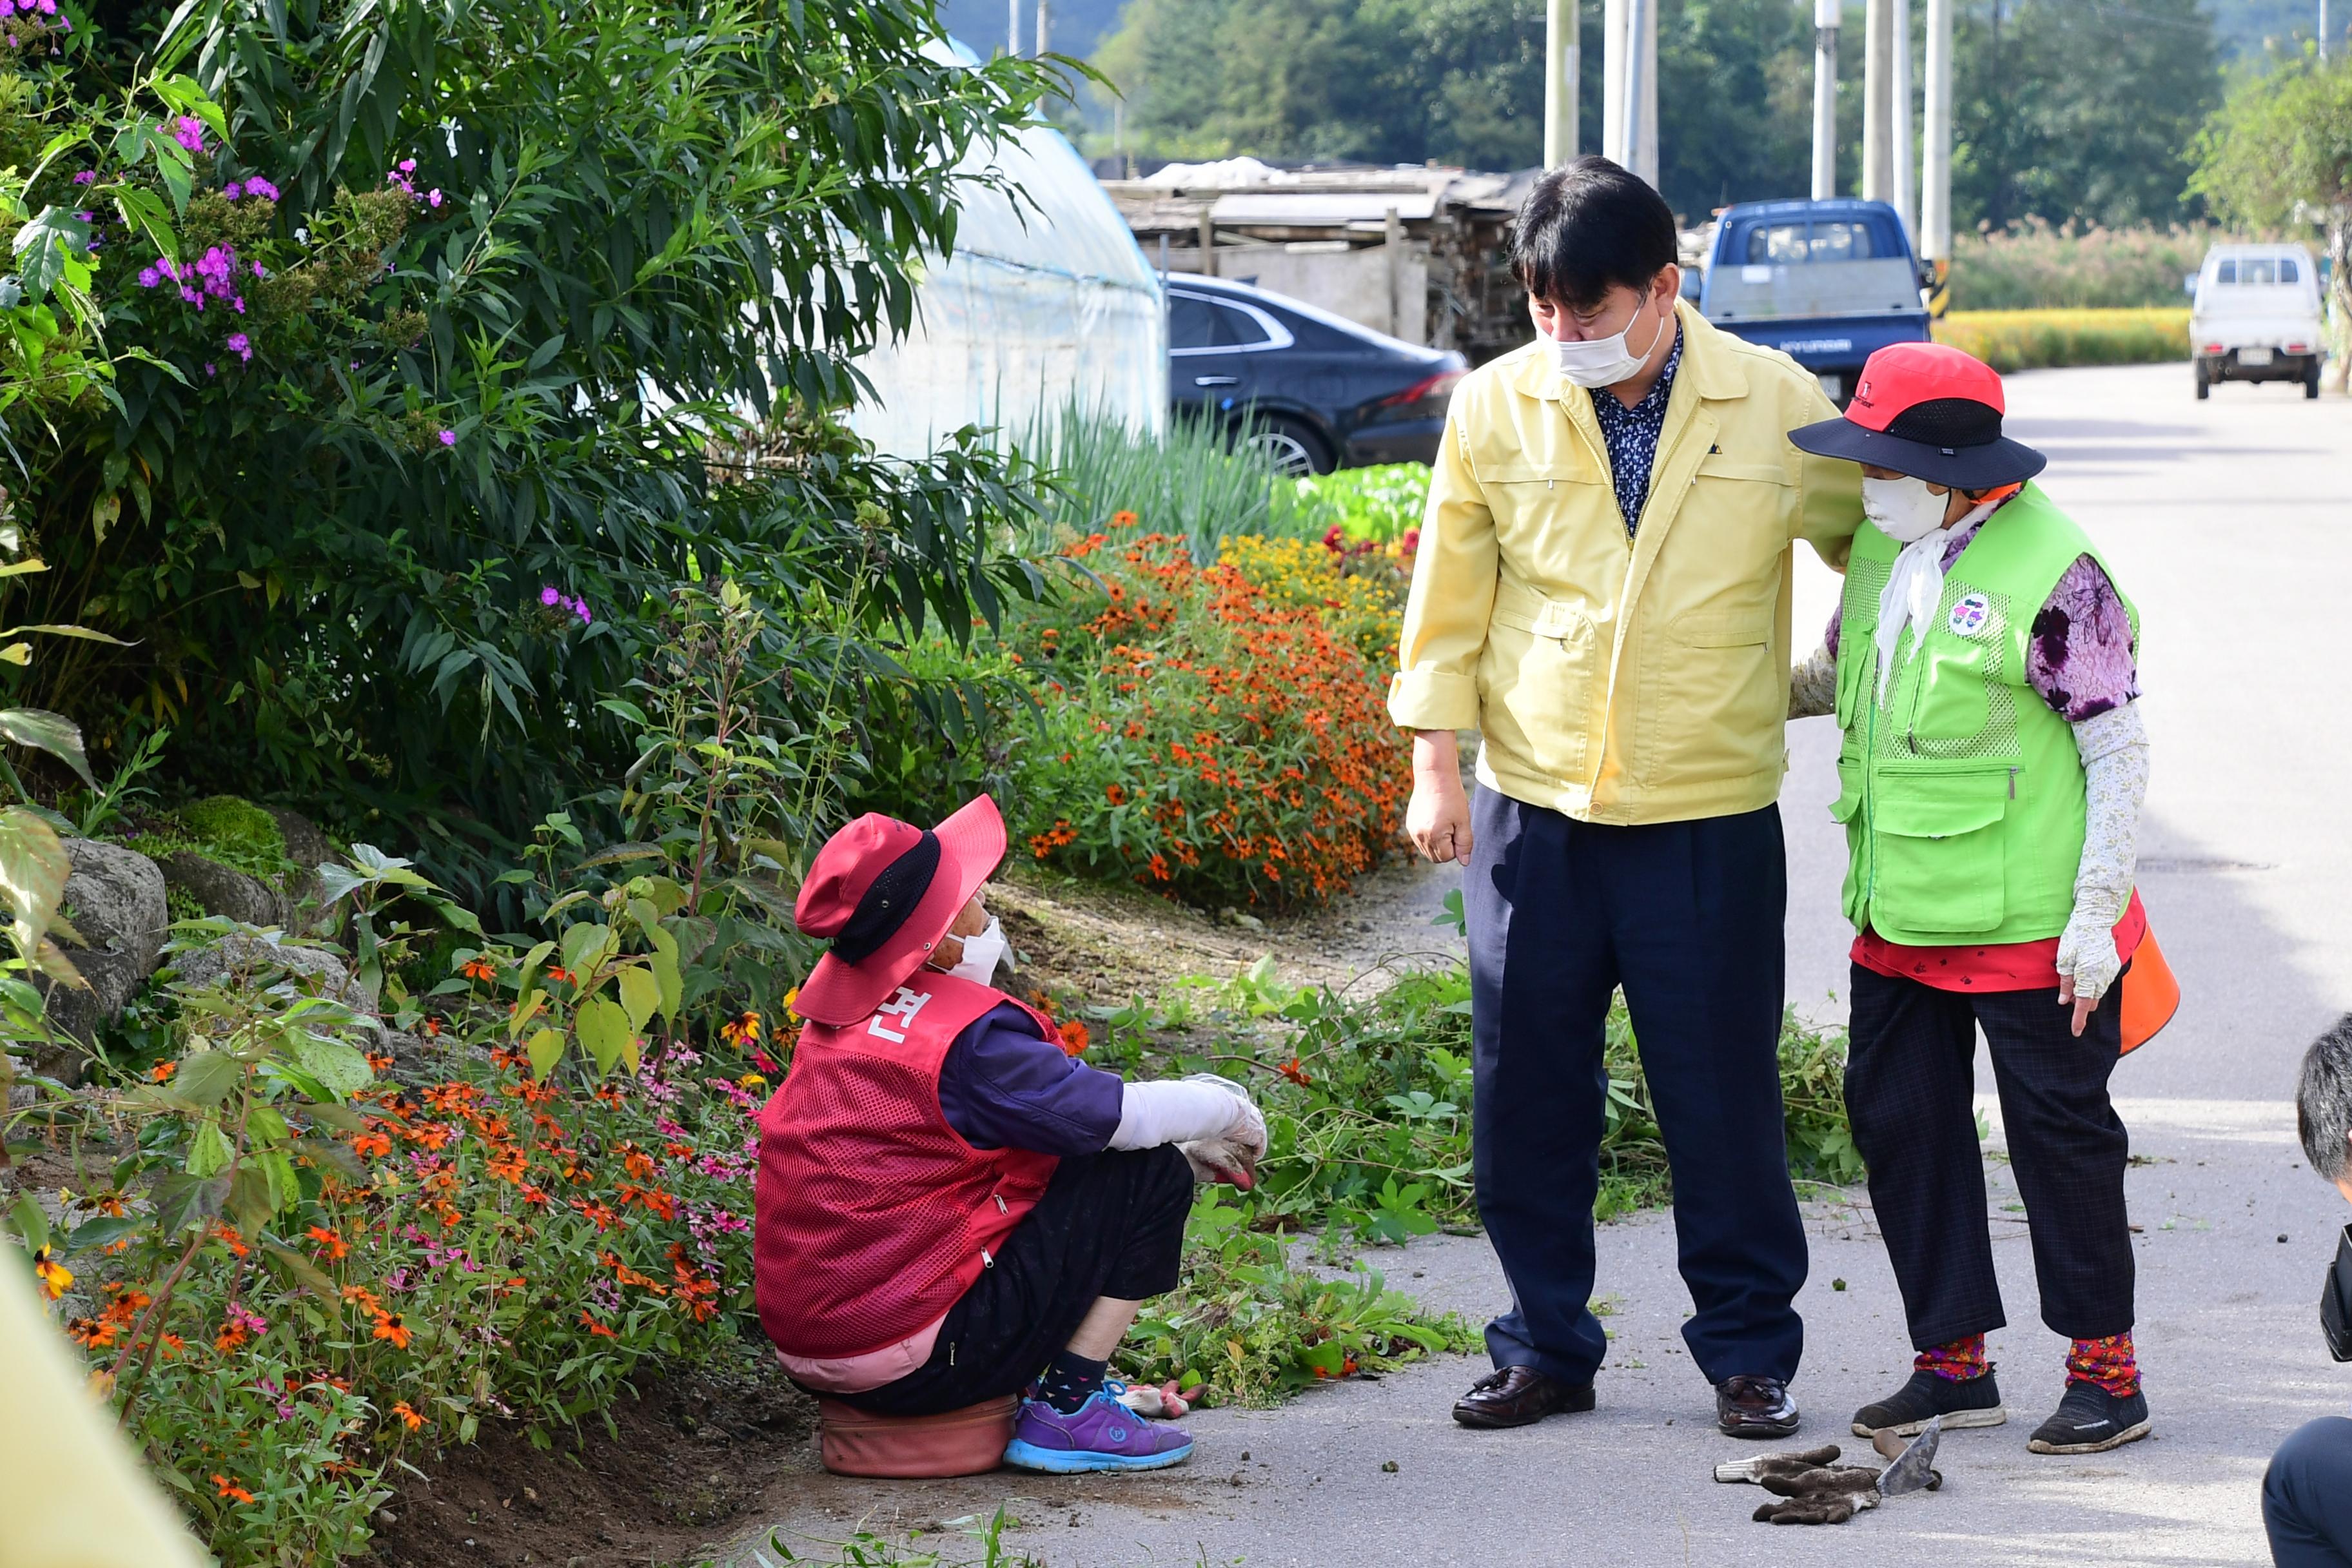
[1215, 732]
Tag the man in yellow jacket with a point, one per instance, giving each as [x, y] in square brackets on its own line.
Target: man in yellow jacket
[1602, 590]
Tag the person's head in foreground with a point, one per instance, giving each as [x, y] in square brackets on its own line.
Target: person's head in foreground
[1594, 248]
[950, 1208]
[1925, 427]
[2307, 1492]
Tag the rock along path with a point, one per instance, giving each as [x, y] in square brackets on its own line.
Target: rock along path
[2228, 522]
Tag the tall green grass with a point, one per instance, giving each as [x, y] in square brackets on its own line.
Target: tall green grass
[2035, 267]
[1192, 483]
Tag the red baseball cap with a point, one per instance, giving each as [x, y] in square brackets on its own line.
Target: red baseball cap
[1930, 411]
[886, 892]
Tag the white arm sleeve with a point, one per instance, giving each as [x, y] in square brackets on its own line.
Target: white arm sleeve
[2113, 749]
[1162, 1111]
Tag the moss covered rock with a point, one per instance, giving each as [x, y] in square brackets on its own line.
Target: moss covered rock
[235, 832]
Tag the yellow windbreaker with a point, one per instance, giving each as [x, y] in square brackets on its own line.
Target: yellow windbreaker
[1617, 679]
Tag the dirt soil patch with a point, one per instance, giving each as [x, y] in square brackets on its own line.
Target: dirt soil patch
[696, 1460]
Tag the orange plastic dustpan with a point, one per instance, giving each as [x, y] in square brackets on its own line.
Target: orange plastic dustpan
[2151, 995]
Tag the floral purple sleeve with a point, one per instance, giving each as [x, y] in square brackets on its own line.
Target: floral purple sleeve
[2080, 657]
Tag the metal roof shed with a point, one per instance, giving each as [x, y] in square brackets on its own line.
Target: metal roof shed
[1045, 299]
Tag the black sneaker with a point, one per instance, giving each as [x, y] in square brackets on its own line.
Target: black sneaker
[1962, 1402]
[2090, 1420]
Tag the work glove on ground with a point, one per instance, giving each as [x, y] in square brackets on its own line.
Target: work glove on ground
[1814, 1488]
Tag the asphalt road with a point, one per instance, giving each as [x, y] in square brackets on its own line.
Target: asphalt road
[2221, 519]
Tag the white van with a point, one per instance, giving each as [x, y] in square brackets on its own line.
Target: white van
[2256, 317]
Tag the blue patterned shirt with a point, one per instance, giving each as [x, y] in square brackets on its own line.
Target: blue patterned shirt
[1632, 435]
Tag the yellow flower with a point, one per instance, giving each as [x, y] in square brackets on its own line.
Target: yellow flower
[750, 1080]
[56, 1277]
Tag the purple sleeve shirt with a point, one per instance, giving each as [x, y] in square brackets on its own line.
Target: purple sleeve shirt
[2079, 657]
[1004, 1086]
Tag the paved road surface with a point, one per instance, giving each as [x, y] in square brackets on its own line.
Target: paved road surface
[2228, 521]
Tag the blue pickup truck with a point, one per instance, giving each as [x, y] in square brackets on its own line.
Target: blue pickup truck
[1825, 283]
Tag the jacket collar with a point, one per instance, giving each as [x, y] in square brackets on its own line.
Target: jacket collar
[1710, 364]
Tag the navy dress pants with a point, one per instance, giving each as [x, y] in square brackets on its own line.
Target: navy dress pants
[1686, 917]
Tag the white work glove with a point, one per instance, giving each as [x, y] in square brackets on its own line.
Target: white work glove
[1230, 1156]
[2113, 749]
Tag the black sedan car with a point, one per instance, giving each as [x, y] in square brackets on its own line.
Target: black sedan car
[1315, 390]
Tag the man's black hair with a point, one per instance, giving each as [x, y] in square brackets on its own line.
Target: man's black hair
[1586, 225]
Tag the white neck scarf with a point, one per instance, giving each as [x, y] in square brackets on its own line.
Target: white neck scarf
[1915, 588]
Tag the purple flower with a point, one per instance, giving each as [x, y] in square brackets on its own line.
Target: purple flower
[448, 437]
[258, 272]
[257, 186]
[208, 368]
[433, 197]
[580, 609]
[398, 1280]
[8, 9]
[87, 177]
[149, 278]
[240, 345]
[232, 190]
[549, 597]
[188, 131]
[409, 165]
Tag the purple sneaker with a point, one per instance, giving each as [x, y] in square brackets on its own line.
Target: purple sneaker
[1102, 1435]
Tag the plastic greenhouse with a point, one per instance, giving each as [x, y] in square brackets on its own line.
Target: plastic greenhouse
[1044, 302]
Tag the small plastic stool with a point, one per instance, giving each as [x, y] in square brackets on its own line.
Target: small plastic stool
[966, 1442]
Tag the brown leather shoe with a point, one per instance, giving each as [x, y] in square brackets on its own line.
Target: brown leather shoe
[1755, 1407]
[1518, 1396]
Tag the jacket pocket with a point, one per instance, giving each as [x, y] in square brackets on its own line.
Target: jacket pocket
[1537, 680]
[1712, 705]
[1937, 849]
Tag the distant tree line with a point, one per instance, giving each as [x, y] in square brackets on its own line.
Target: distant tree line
[2066, 110]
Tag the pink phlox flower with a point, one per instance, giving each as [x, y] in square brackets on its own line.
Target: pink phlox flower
[409, 165]
[232, 190]
[87, 177]
[209, 370]
[448, 437]
[258, 272]
[149, 278]
[188, 131]
[551, 596]
[239, 304]
[433, 197]
[254, 185]
[580, 609]
[8, 9]
[240, 345]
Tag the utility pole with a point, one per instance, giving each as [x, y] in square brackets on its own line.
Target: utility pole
[1644, 92]
[2323, 31]
[1563, 60]
[1013, 29]
[1044, 24]
[1899, 123]
[1825, 41]
[1612, 83]
[1878, 104]
[1936, 183]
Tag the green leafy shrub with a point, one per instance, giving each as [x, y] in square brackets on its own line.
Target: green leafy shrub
[1381, 504]
[2037, 340]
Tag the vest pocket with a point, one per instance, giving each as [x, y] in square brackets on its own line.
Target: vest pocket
[1937, 849]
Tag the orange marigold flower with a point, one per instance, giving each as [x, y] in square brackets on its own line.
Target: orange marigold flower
[92, 1333]
[408, 1418]
[232, 1336]
[367, 1143]
[227, 1236]
[230, 1488]
[1293, 1072]
[1074, 1038]
[479, 968]
[594, 1327]
[1120, 520]
[333, 1245]
[432, 1026]
[388, 1326]
[162, 1071]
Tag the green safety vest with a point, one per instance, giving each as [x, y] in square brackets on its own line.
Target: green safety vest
[1961, 791]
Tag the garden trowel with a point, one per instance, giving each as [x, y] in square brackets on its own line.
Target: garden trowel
[1913, 1462]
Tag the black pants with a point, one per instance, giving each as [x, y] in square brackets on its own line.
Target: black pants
[1109, 1225]
[1910, 1079]
[1686, 917]
[2307, 1496]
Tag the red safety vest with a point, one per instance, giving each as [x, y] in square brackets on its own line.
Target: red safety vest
[872, 1215]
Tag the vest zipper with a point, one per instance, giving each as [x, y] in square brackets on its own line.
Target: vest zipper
[1000, 1196]
[985, 1261]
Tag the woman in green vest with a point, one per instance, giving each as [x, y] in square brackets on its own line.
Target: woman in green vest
[1982, 667]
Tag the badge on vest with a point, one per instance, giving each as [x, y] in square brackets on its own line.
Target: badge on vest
[1970, 616]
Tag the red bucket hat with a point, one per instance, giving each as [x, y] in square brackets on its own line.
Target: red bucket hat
[886, 892]
[1930, 411]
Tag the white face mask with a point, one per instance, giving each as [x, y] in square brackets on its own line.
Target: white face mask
[1904, 509]
[982, 954]
[1595, 362]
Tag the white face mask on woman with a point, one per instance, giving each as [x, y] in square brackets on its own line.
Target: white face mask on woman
[982, 954]
[1905, 509]
[1595, 362]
